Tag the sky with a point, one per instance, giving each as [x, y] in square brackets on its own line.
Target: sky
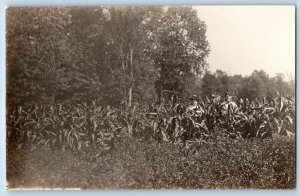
[247, 38]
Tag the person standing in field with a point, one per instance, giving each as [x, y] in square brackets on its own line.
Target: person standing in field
[229, 105]
[195, 106]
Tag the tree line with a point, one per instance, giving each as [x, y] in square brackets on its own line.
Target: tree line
[116, 55]
[258, 85]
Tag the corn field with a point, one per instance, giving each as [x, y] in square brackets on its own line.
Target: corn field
[75, 126]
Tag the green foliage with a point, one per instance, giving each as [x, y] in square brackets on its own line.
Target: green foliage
[182, 48]
[64, 126]
[39, 52]
[75, 125]
[258, 84]
[223, 163]
[103, 53]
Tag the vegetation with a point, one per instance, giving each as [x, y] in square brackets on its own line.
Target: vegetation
[95, 134]
[115, 55]
[225, 163]
[258, 84]
[97, 98]
[78, 125]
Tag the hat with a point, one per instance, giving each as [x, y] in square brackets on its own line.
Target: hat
[215, 95]
[194, 97]
[227, 96]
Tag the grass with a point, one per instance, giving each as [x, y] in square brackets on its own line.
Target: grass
[146, 164]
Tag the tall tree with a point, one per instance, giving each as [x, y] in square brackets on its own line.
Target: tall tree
[39, 54]
[130, 40]
[181, 49]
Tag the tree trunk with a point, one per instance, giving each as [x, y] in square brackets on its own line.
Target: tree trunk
[131, 81]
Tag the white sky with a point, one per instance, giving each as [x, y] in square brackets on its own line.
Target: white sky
[245, 38]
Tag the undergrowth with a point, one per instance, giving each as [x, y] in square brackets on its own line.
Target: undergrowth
[146, 164]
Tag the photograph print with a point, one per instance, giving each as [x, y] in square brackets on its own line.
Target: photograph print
[150, 97]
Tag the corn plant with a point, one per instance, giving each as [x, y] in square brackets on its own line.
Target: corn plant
[74, 126]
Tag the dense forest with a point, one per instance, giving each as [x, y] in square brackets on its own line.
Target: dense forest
[118, 55]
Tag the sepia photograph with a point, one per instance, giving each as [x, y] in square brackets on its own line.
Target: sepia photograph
[150, 97]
